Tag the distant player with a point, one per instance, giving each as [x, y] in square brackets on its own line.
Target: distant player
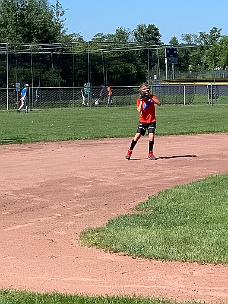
[24, 100]
[147, 119]
[84, 92]
[109, 90]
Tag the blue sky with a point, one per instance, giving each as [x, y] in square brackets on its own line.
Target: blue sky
[172, 18]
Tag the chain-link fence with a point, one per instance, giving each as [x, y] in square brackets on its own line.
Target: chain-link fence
[118, 64]
[56, 97]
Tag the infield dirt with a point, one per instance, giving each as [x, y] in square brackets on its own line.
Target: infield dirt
[50, 192]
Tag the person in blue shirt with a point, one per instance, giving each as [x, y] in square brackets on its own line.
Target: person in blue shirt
[24, 100]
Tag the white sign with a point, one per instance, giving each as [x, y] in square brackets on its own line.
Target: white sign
[18, 87]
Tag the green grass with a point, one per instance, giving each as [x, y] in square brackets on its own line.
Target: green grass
[23, 297]
[107, 122]
[184, 223]
[202, 99]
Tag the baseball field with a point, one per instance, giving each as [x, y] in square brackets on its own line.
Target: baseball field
[81, 224]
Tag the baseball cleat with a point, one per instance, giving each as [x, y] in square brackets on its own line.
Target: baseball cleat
[151, 156]
[128, 156]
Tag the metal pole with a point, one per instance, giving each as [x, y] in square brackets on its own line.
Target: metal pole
[211, 102]
[158, 65]
[148, 65]
[73, 77]
[173, 73]
[103, 67]
[88, 83]
[7, 77]
[31, 91]
[184, 95]
[166, 66]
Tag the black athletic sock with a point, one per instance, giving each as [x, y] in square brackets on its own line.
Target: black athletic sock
[151, 145]
[133, 143]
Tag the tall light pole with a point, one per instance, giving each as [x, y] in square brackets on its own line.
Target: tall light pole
[89, 80]
[7, 76]
[148, 65]
[166, 65]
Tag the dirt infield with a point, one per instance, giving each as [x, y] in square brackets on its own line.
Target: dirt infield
[52, 191]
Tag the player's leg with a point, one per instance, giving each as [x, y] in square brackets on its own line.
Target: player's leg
[151, 131]
[140, 131]
[83, 99]
[26, 105]
[21, 106]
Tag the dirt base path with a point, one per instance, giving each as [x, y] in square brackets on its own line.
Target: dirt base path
[52, 191]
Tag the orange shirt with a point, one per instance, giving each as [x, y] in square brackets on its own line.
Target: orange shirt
[147, 114]
[109, 89]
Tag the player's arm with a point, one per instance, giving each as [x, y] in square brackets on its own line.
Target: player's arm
[156, 100]
[139, 106]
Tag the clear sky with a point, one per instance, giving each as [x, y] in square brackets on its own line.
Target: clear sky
[172, 18]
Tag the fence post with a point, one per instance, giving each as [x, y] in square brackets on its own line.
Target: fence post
[7, 77]
[184, 95]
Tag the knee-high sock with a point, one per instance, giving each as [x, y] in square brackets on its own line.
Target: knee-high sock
[133, 143]
[151, 145]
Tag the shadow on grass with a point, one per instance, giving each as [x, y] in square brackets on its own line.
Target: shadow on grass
[4, 141]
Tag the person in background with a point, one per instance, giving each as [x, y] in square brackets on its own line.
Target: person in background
[84, 92]
[147, 119]
[109, 90]
[103, 93]
[24, 100]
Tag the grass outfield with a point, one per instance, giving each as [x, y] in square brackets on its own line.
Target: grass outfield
[107, 122]
[184, 223]
[187, 223]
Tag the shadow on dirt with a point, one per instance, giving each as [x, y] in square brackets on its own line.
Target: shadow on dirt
[176, 156]
[168, 157]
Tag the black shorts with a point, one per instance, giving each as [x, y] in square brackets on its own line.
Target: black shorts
[142, 127]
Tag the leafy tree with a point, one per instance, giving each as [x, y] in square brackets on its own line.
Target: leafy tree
[147, 36]
[209, 39]
[189, 38]
[149, 33]
[113, 64]
[30, 21]
[122, 35]
[223, 51]
[174, 41]
[204, 53]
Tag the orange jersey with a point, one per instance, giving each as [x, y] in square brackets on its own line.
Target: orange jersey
[147, 114]
[109, 89]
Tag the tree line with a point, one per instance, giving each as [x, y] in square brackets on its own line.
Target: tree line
[126, 57]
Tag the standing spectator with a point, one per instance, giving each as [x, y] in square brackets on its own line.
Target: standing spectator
[109, 90]
[147, 119]
[84, 92]
[24, 100]
[103, 93]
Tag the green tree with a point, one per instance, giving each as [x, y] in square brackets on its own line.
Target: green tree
[223, 51]
[189, 38]
[30, 21]
[212, 38]
[203, 52]
[174, 41]
[113, 63]
[149, 33]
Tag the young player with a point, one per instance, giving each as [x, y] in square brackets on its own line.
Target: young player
[109, 90]
[84, 92]
[24, 99]
[147, 119]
